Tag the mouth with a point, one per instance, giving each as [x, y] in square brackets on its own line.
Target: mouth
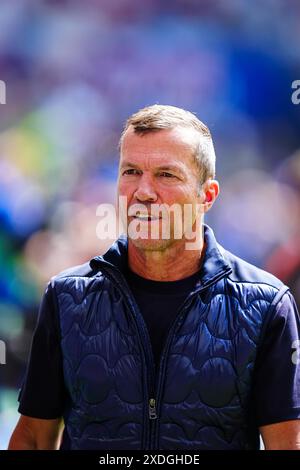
[146, 218]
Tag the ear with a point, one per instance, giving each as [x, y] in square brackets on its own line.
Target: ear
[210, 192]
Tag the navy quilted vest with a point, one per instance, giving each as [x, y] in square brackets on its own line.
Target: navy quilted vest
[201, 396]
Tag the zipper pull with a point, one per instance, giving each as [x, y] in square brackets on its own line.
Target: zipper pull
[152, 409]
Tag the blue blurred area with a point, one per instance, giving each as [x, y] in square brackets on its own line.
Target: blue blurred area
[74, 71]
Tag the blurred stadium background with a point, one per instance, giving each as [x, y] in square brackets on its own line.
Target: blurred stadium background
[74, 71]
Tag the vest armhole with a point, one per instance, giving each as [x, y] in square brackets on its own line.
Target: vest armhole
[56, 308]
[276, 299]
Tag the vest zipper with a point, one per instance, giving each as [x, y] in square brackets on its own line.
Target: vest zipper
[163, 360]
[150, 368]
[152, 420]
[152, 409]
[154, 404]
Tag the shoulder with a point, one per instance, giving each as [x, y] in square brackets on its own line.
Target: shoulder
[76, 279]
[75, 284]
[248, 279]
[245, 272]
[80, 270]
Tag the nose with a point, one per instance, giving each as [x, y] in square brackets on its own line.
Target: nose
[145, 190]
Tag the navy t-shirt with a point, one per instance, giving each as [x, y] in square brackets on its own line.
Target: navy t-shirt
[159, 303]
[276, 390]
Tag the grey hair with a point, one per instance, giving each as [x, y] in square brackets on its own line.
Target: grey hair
[157, 117]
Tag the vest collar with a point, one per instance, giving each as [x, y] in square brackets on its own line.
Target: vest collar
[214, 265]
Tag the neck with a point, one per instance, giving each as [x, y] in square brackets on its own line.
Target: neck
[172, 264]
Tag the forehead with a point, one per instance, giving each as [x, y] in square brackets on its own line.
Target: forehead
[166, 145]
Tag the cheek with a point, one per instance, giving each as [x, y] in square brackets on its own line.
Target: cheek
[125, 188]
[180, 196]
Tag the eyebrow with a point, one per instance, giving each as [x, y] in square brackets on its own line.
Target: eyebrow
[128, 164]
[160, 168]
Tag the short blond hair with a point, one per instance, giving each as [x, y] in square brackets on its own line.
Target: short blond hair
[157, 117]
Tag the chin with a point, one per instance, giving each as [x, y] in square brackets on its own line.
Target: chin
[151, 245]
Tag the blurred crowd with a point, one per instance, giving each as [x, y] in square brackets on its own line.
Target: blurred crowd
[74, 71]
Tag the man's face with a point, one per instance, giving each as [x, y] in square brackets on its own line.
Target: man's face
[158, 168]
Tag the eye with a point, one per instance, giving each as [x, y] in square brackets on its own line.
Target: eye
[167, 175]
[131, 171]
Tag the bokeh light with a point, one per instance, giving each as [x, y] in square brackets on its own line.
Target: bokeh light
[74, 71]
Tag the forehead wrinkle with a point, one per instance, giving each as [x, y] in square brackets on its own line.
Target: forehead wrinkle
[178, 167]
[182, 141]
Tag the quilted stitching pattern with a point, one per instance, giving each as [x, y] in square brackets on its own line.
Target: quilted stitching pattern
[207, 380]
[101, 365]
[212, 358]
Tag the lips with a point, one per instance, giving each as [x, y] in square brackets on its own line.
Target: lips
[146, 217]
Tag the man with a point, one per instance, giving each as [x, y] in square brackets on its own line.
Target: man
[164, 342]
